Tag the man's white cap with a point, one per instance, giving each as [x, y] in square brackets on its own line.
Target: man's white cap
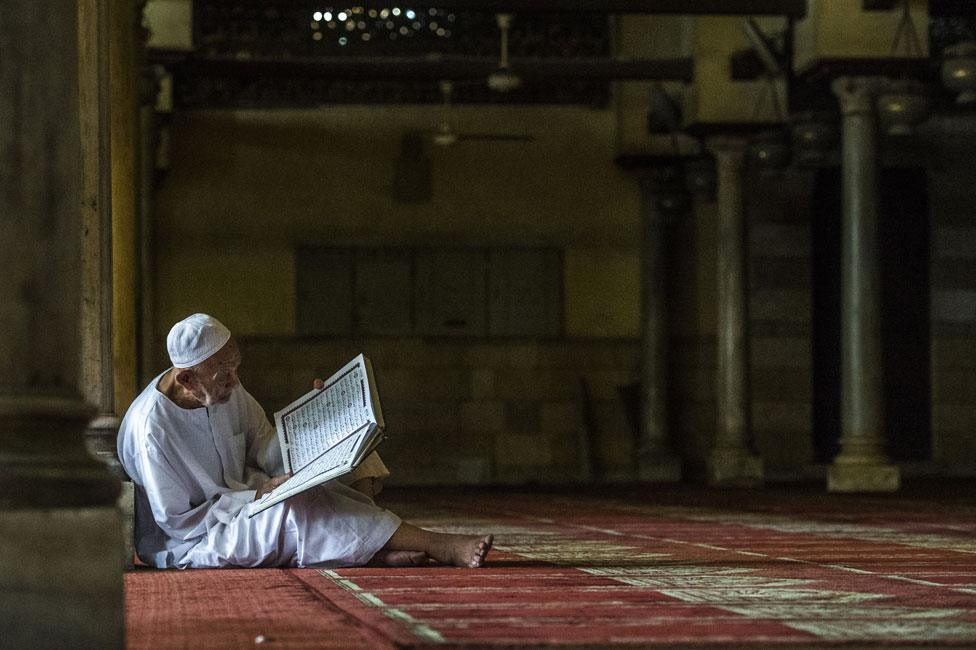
[195, 339]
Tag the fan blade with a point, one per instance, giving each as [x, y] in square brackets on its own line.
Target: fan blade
[500, 137]
[761, 46]
[443, 137]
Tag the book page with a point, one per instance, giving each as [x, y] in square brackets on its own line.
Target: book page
[327, 432]
[322, 418]
[331, 464]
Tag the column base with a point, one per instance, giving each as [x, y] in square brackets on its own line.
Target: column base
[734, 467]
[101, 435]
[61, 578]
[863, 477]
[659, 468]
[127, 515]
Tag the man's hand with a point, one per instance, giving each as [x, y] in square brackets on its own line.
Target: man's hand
[365, 485]
[270, 484]
[318, 384]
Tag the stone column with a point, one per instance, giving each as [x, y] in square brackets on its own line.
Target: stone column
[732, 461]
[148, 147]
[97, 378]
[662, 199]
[862, 465]
[60, 550]
[124, 102]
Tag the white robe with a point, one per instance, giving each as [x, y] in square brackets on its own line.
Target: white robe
[194, 470]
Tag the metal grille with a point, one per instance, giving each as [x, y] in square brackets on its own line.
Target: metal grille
[285, 30]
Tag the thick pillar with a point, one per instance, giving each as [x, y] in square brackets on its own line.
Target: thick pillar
[124, 102]
[732, 461]
[662, 199]
[149, 128]
[862, 465]
[147, 164]
[60, 550]
[97, 378]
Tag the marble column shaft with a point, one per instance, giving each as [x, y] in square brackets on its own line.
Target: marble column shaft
[125, 15]
[862, 464]
[660, 201]
[731, 460]
[148, 133]
[60, 536]
[97, 377]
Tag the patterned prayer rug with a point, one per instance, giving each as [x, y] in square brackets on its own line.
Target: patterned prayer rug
[678, 567]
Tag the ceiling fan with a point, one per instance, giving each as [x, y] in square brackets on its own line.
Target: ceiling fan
[503, 80]
[772, 66]
[444, 134]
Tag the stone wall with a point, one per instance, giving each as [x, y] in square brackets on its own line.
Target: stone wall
[780, 299]
[781, 243]
[778, 234]
[692, 325]
[506, 406]
[953, 295]
[474, 412]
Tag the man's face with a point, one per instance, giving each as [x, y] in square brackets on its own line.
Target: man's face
[216, 378]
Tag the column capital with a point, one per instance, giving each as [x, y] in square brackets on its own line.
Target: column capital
[642, 164]
[729, 152]
[728, 147]
[857, 94]
[664, 173]
[663, 192]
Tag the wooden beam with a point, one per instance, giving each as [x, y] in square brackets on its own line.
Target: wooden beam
[896, 67]
[432, 68]
[951, 8]
[793, 8]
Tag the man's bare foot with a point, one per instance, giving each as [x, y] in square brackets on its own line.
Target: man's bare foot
[384, 557]
[446, 548]
[462, 550]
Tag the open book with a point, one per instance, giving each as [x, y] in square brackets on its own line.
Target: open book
[327, 433]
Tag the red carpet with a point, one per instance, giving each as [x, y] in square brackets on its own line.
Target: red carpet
[690, 568]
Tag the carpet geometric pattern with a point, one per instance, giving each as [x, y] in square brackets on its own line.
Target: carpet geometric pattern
[679, 567]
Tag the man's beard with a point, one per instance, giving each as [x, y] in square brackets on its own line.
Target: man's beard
[211, 399]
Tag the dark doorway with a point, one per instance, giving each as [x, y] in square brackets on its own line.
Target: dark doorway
[903, 241]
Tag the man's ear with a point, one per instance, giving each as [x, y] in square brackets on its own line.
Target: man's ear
[185, 378]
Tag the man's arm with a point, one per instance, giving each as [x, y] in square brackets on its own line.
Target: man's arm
[263, 457]
[270, 485]
[171, 503]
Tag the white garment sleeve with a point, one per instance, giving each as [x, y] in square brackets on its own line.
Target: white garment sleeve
[372, 467]
[169, 499]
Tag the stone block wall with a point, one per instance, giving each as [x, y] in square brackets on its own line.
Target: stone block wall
[953, 295]
[780, 250]
[473, 412]
[692, 327]
[780, 317]
[693, 408]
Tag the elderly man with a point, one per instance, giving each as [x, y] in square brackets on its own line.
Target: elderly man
[199, 448]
